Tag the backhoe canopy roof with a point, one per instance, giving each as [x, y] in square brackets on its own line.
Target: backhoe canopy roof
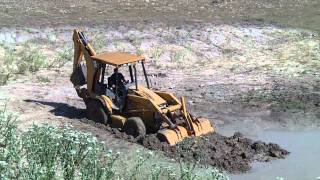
[117, 58]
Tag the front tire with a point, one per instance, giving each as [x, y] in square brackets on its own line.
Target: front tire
[96, 112]
[134, 126]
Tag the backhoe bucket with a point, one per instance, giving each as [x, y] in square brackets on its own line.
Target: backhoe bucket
[201, 126]
[172, 136]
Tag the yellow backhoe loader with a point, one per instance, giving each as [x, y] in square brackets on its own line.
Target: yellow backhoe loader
[135, 109]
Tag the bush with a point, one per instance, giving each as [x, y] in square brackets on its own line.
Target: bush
[63, 56]
[32, 60]
[9, 146]
[29, 59]
[49, 152]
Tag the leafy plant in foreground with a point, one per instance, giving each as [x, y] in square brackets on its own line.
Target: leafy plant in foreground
[9, 146]
[49, 152]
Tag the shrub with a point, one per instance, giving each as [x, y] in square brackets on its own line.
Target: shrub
[63, 56]
[9, 146]
[98, 42]
[75, 154]
[49, 152]
[31, 60]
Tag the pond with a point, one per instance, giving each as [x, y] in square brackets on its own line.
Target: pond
[302, 162]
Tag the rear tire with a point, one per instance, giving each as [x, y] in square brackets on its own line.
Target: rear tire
[96, 112]
[134, 126]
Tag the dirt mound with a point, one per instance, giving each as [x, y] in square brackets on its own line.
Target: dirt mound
[233, 154]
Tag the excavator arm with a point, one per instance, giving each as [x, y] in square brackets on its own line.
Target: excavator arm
[83, 50]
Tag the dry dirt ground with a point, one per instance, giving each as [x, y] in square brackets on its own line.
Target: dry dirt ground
[294, 13]
[244, 77]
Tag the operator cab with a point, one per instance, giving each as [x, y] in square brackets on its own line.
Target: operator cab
[115, 86]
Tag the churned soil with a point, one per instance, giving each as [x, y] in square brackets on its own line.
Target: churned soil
[233, 154]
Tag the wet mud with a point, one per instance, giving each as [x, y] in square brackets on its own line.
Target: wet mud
[233, 154]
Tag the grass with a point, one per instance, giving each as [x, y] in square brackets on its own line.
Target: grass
[43, 79]
[279, 100]
[50, 152]
[156, 53]
[31, 61]
[4, 78]
[64, 55]
[98, 42]
[29, 57]
[293, 104]
[7, 54]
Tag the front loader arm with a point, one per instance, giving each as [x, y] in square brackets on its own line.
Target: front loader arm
[185, 115]
[196, 126]
[148, 105]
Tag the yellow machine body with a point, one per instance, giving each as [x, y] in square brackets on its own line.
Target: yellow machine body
[161, 112]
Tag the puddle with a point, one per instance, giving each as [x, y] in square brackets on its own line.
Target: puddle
[302, 163]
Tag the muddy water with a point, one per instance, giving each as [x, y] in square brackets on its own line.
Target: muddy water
[302, 163]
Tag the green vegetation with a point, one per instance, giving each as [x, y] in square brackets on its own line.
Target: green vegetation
[98, 42]
[63, 56]
[20, 60]
[49, 152]
[4, 78]
[6, 54]
[279, 100]
[43, 79]
[29, 58]
[155, 54]
[292, 104]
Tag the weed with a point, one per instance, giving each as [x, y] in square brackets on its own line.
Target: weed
[289, 104]
[179, 56]
[43, 79]
[155, 56]
[32, 61]
[63, 56]
[139, 51]
[187, 171]
[7, 66]
[22, 59]
[49, 152]
[9, 147]
[215, 174]
[29, 30]
[4, 78]
[156, 171]
[118, 45]
[98, 42]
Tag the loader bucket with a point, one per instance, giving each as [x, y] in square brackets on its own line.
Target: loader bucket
[171, 136]
[201, 126]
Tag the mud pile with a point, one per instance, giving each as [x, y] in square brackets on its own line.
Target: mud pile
[233, 154]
